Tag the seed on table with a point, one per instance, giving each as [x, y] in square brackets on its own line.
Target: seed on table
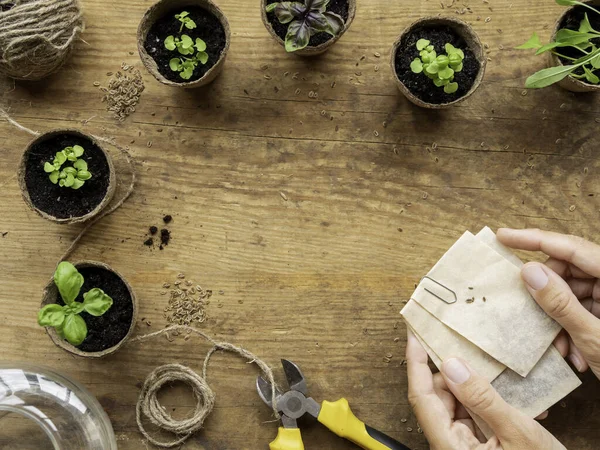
[409, 429]
[403, 420]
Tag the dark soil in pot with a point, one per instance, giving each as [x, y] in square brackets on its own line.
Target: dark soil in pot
[109, 329]
[418, 83]
[572, 20]
[208, 28]
[63, 202]
[340, 7]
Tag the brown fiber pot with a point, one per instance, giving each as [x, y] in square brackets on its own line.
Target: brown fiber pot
[308, 51]
[159, 10]
[51, 294]
[112, 183]
[466, 32]
[569, 83]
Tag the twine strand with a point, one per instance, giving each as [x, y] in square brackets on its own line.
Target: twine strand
[149, 405]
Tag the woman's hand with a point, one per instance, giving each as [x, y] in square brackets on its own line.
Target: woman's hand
[567, 287]
[439, 404]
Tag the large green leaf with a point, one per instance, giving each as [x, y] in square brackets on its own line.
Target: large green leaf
[96, 302]
[549, 76]
[51, 315]
[68, 281]
[74, 329]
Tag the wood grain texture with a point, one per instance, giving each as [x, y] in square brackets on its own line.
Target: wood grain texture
[320, 277]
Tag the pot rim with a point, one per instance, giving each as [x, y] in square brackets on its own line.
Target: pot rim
[467, 32]
[157, 11]
[49, 297]
[309, 50]
[112, 179]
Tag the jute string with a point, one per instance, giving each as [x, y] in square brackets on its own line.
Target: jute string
[149, 405]
[116, 204]
[36, 36]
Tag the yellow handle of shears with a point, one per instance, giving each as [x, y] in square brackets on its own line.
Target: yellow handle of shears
[338, 417]
[287, 439]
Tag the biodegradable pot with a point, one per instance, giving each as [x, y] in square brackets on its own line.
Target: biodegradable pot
[158, 11]
[465, 31]
[308, 51]
[569, 83]
[112, 179]
[51, 295]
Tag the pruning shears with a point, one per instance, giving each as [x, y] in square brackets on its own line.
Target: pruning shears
[336, 416]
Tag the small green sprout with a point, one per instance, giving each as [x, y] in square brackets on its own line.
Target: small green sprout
[306, 18]
[581, 40]
[73, 176]
[185, 20]
[66, 319]
[439, 68]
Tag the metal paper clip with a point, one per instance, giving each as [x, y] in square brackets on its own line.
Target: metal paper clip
[444, 287]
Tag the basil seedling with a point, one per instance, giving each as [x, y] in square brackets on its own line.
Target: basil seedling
[439, 68]
[194, 52]
[305, 19]
[185, 20]
[66, 319]
[73, 176]
[580, 39]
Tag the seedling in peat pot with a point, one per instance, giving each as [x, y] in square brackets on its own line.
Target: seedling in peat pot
[439, 68]
[305, 19]
[66, 319]
[580, 40]
[73, 176]
[185, 20]
[187, 65]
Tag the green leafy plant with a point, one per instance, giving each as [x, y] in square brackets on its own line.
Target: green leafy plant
[305, 19]
[73, 176]
[439, 68]
[194, 52]
[185, 20]
[580, 40]
[66, 319]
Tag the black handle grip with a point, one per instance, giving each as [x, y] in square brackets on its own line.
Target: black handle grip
[389, 442]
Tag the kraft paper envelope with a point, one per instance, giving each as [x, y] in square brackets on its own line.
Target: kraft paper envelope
[445, 343]
[509, 325]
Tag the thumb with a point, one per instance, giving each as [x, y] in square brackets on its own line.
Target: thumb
[554, 296]
[478, 396]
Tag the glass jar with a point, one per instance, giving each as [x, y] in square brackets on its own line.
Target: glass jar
[41, 409]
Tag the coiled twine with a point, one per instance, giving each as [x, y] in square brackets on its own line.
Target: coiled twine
[37, 36]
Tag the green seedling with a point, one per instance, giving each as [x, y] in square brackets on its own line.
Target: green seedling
[305, 19]
[186, 66]
[66, 319]
[73, 176]
[439, 68]
[581, 40]
[185, 20]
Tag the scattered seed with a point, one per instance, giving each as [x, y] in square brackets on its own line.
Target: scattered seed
[295, 76]
[389, 356]
[470, 300]
[425, 195]
[376, 67]
[386, 360]
[323, 112]
[268, 77]
[484, 299]
[524, 93]
[409, 429]
[332, 84]
[572, 208]
[377, 54]
[283, 196]
[358, 74]
[403, 420]
[285, 74]
[419, 430]
[585, 170]
[149, 144]
[376, 133]
[563, 404]
[488, 19]
[264, 67]
[298, 91]
[397, 339]
[471, 288]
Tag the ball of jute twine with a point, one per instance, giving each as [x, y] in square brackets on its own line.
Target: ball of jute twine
[149, 405]
[36, 36]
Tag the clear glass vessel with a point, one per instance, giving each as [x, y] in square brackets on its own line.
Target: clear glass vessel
[41, 409]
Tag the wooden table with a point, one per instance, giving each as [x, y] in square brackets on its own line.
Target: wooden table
[314, 217]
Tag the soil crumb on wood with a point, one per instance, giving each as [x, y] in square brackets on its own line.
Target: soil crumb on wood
[208, 28]
[107, 330]
[340, 7]
[418, 83]
[63, 202]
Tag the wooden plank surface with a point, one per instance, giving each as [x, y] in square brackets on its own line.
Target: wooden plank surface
[320, 277]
